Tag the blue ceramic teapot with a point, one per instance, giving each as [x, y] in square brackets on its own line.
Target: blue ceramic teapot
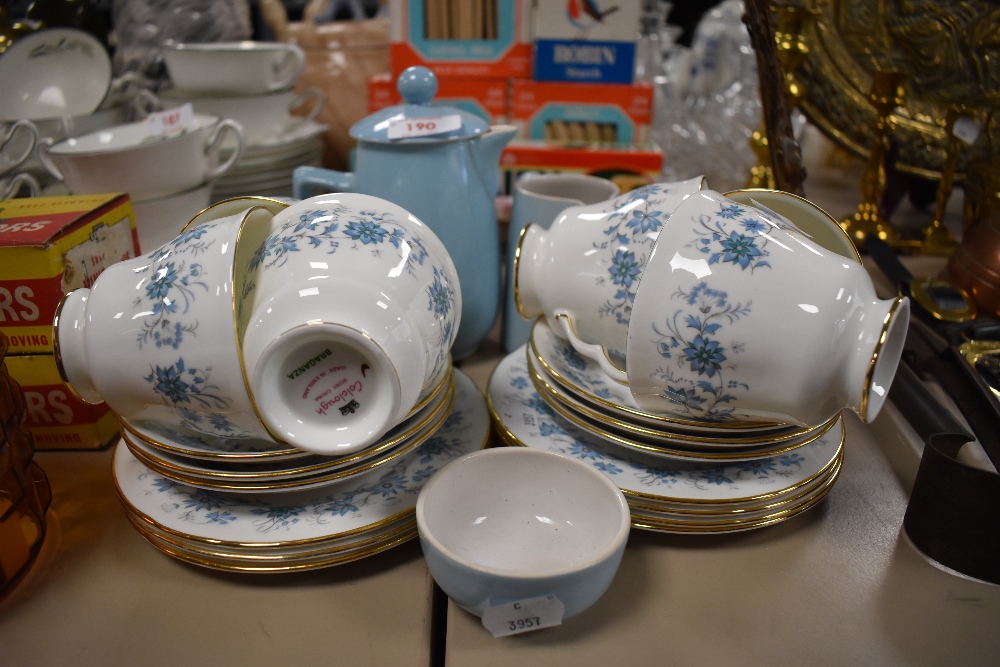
[442, 165]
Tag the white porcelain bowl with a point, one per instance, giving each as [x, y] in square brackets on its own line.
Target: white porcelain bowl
[126, 158]
[352, 306]
[233, 68]
[506, 524]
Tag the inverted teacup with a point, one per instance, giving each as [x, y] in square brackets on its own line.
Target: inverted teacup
[349, 309]
[130, 158]
[741, 316]
[155, 338]
[233, 68]
[538, 199]
[582, 273]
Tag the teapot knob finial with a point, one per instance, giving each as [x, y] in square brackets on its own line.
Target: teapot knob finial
[417, 85]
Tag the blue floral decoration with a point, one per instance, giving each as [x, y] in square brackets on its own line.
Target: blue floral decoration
[694, 377]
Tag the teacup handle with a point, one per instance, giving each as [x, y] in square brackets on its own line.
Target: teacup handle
[306, 178]
[215, 142]
[295, 55]
[43, 156]
[14, 186]
[309, 93]
[28, 127]
[589, 350]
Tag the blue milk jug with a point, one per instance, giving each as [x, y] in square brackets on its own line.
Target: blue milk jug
[442, 165]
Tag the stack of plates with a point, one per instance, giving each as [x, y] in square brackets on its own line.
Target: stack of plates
[239, 505]
[679, 476]
[265, 169]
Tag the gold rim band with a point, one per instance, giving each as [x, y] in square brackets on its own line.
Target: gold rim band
[57, 350]
[770, 504]
[546, 388]
[834, 224]
[517, 264]
[186, 477]
[874, 358]
[316, 467]
[594, 430]
[647, 523]
[286, 543]
[291, 453]
[266, 556]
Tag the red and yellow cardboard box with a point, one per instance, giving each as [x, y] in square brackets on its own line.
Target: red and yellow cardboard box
[56, 418]
[50, 246]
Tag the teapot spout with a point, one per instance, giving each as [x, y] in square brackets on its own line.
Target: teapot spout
[486, 152]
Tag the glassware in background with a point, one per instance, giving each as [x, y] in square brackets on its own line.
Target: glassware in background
[707, 112]
[24, 489]
[649, 47]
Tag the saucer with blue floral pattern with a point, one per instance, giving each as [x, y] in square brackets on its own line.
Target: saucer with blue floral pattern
[524, 418]
[310, 528]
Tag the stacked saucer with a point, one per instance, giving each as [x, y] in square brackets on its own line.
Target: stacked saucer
[678, 476]
[265, 168]
[233, 506]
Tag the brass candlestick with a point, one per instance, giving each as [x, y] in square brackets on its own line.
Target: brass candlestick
[937, 239]
[792, 48]
[886, 94]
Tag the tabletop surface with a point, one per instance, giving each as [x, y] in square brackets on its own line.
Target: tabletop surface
[837, 585]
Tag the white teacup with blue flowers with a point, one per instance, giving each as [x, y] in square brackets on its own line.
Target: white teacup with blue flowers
[742, 317]
[583, 272]
[351, 306]
[154, 337]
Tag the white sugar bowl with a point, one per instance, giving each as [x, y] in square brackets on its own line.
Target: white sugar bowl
[507, 524]
[742, 316]
[154, 337]
[350, 308]
[582, 273]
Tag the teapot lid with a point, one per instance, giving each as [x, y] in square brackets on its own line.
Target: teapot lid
[417, 86]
